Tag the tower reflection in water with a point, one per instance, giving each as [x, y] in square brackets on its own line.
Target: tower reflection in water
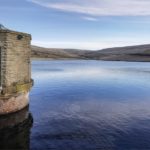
[15, 130]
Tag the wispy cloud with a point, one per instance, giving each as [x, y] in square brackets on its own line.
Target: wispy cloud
[99, 7]
[90, 18]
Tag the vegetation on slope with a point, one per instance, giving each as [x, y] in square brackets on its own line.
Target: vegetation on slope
[129, 53]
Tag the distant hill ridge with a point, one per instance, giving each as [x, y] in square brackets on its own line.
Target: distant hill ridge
[128, 53]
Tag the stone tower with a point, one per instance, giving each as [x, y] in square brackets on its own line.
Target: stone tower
[15, 70]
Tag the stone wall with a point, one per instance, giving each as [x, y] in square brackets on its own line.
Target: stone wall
[15, 71]
[15, 59]
[2, 56]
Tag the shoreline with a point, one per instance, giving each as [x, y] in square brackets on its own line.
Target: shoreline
[68, 59]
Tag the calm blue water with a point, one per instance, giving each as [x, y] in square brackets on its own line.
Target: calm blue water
[90, 105]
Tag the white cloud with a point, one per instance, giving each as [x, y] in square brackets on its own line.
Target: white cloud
[99, 7]
[90, 18]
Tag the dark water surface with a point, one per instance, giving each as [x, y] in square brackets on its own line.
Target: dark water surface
[15, 130]
[90, 105]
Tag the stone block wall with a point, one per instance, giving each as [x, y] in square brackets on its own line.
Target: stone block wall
[14, 58]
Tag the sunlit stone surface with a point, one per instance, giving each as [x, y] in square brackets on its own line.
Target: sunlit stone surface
[13, 103]
[15, 70]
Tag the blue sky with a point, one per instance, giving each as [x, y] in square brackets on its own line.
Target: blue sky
[84, 24]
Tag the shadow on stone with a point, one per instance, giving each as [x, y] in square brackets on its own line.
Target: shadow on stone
[15, 130]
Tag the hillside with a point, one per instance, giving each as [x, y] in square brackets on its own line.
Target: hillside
[129, 53]
[54, 53]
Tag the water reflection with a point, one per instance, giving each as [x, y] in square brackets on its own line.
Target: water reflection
[15, 130]
[93, 124]
[91, 105]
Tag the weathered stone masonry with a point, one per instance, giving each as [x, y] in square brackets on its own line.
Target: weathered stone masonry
[15, 70]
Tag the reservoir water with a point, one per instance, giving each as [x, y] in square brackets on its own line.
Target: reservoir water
[90, 105]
